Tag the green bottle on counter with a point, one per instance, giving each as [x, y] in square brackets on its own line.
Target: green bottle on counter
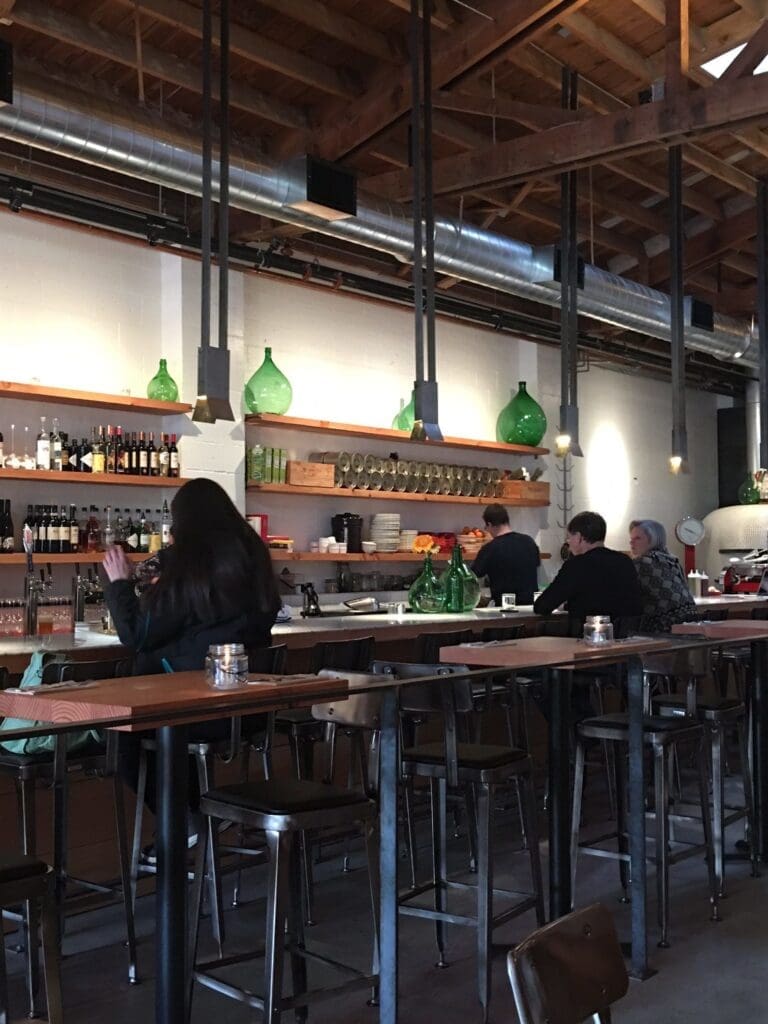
[462, 587]
[427, 595]
[162, 387]
[403, 420]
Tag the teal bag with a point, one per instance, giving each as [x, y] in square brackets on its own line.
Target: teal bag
[33, 676]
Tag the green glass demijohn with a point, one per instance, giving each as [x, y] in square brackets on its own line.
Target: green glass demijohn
[522, 420]
[162, 387]
[268, 390]
[426, 595]
[749, 493]
[462, 587]
[403, 420]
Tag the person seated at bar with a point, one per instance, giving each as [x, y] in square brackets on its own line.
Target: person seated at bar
[595, 580]
[215, 586]
[666, 597]
[510, 560]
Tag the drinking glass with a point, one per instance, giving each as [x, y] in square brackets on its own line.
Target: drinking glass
[509, 602]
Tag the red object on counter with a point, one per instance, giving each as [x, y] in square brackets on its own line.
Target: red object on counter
[689, 558]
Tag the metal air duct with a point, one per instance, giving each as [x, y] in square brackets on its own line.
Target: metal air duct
[461, 250]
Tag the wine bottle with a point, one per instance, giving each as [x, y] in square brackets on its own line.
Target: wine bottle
[144, 534]
[45, 520]
[74, 455]
[132, 534]
[143, 455]
[98, 463]
[74, 529]
[164, 456]
[54, 538]
[92, 531]
[165, 526]
[65, 545]
[152, 458]
[2, 452]
[173, 451]
[66, 452]
[55, 446]
[85, 456]
[110, 464]
[133, 456]
[43, 450]
[121, 453]
[109, 532]
[7, 536]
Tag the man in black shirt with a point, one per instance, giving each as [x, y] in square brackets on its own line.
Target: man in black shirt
[510, 560]
[595, 580]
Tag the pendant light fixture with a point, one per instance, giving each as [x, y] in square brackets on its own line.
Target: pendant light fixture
[213, 363]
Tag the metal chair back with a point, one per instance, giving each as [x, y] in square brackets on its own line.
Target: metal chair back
[82, 671]
[357, 710]
[491, 633]
[344, 655]
[268, 659]
[569, 971]
[428, 644]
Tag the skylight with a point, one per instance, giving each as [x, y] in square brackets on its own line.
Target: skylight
[718, 65]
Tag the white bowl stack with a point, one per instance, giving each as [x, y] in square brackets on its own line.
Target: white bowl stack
[385, 530]
[407, 537]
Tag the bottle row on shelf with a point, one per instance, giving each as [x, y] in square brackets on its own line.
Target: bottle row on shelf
[56, 529]
[134, 453]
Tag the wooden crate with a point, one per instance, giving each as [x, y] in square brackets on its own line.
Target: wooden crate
[523, 490]
[309, 474]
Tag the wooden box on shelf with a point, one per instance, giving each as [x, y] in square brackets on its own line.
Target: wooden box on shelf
[518, 490]
[309, 474]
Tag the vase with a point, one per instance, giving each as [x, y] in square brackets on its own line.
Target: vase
[462, 587]
[426, 594]
[749, 493]
[162, 387]
[268, 390]
[404, 419]
[522, 420]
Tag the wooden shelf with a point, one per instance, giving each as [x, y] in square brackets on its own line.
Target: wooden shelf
[377, 556]
[385, 434]
[83, 557]
[92, 399]
[111, 479]
[342, 492]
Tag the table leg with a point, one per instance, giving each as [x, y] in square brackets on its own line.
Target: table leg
[759, 662]
[170, 898]
[636, 820]
[389, 772]
[559, 688]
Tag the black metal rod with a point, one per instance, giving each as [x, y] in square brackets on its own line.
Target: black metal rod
[759, 670]
[677, 326]
[429, 203]
[416, 155]
[569, 269]
[224, 174]
[762, 311]
[559, 793]
[389, 770]
[636, 816]
[171, 894]
[205, 219]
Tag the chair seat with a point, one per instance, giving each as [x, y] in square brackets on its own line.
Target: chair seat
[284, 796]
[15, 762]
[656, 729]
[299, 721]
[483, 756]
[743, 654]
[711, 710]
[14, 867]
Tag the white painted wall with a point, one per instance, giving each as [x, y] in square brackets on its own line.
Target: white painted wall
[83, 311]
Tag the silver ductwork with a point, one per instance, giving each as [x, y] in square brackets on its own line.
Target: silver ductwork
[461, 249]
[752, 411]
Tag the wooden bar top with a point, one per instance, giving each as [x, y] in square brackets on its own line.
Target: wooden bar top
[547, 651]
[163, 699]
[728, 629]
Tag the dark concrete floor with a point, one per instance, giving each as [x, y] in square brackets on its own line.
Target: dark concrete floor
[713, 974]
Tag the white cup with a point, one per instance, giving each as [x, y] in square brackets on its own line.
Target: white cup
[508, 602]
[333, 549]
[342, 548]
[322, 544]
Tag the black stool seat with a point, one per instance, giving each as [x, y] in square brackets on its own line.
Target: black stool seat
[656, 729]
[302, 717]
[715, 710]
[478, 756]
[44, 758]
[14, 867]
[283, 796]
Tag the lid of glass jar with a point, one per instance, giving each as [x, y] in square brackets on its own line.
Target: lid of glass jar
[597, 620]
[226, 649]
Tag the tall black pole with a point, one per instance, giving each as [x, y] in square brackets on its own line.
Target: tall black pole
[429, 205]
[416, 149]
[569, 298]
[205, 220]
[762, 311]
[677, 327]
[224, 176]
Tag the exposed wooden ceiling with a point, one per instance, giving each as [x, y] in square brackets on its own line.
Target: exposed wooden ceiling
[331, 77]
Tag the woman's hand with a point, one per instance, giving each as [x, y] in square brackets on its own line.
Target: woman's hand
[116, 565]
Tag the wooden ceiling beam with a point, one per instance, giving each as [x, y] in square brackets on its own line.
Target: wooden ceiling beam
[254, 47]
[531, 115]
[357, 35]
[677, 49]
[605, 42]
[641, 174]
[52, 21]
[442, 12]
[712, 165]
[708, 247]
[341, 130]
[532, 209]
[569, 147]
[752, 54]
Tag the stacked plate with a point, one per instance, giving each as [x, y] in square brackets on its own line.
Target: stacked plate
[385, 530]
[407, 537]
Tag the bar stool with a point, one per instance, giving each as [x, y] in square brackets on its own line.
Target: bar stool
[662, 735]
[283, 810]
[53, 770]
[27, 879]
[483, 767]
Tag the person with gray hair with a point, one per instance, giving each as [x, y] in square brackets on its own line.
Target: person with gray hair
[666, 597]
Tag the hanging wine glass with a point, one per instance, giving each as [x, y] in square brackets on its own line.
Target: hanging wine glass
[13, 461]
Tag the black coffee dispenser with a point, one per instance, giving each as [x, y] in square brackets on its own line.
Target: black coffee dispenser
[347, 528]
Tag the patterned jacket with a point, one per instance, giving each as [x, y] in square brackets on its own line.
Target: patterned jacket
[666, 597]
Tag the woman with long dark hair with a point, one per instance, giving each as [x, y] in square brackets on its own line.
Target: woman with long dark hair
[215, 585]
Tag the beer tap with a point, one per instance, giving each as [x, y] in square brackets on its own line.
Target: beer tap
[33, 587]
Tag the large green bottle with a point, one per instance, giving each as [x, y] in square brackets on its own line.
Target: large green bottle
[522, 420]
[749, 492]
[268, 390]
[162, 387]
[403, 420]
[427, 594]
[462, 587]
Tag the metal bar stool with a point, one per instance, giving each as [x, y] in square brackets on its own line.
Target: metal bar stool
[483, 767]
[284, 810]
[29, 880]
[569, 971]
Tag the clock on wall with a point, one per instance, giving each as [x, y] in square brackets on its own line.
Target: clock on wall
[690, 531]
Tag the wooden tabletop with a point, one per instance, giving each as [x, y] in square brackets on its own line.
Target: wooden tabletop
[163, 699]
[728, 629]
[543, 651]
